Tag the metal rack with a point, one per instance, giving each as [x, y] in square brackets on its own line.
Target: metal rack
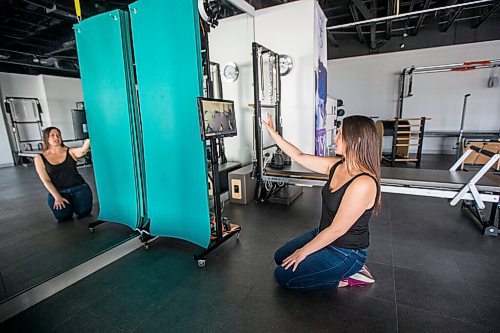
[457, 67]
[273, 103]
[24, 145]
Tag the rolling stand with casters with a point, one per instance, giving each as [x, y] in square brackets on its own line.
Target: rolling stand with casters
[216, 121]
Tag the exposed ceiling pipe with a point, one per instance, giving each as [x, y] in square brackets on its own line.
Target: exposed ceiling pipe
[69, 45]
[402, 16]
[52, 9]
[20, 63]
[33, 60]
[243, 6]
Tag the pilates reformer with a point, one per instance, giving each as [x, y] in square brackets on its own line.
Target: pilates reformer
[472, 189]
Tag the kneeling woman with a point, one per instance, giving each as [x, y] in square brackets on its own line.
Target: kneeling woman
[56, 167]
[333, 255]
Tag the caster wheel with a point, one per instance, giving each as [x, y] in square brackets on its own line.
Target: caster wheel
[237, 235]
[201, 262]
[91, 230]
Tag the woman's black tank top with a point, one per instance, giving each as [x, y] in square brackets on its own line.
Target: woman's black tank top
[358, 236]
[63, 175]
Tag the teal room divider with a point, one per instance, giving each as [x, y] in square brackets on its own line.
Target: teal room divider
[168, 66]
[105, 56]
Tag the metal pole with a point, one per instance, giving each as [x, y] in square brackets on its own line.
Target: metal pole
[476, 64]
[401, 94]
[398, 16]
[461, 133]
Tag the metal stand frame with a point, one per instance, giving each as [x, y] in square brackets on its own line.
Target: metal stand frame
[261, 194]
[465, 66]
[15, 137]
[223, 230]
[476, 205]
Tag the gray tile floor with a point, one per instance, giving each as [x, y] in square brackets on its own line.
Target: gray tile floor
[435, 273]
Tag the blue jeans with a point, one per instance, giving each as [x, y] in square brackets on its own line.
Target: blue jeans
[80, 202]
[321, 269]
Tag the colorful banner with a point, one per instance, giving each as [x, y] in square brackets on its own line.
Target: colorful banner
[320, 76]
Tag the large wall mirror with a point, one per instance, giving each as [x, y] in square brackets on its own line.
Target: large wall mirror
[34, 246]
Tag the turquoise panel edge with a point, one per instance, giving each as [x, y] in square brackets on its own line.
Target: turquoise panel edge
[168, 65]
[103, 45]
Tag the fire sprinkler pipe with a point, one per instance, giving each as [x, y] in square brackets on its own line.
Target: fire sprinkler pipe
[400, 16]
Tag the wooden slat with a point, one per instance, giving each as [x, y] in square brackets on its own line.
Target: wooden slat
[407, 145]
[406, 160]
[265, 106]
[408, 139]
[409, 132]
[409, 126]
[403, 119]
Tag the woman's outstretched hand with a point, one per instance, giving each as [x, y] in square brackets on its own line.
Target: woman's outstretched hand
[269, 125]
[294, 260]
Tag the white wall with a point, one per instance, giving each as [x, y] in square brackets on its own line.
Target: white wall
[232, 41]
[57, 97]
[62, 93]
[369, 86]
[289, 29]
[285, 29]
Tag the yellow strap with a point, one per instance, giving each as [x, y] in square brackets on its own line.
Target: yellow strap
[78, 10]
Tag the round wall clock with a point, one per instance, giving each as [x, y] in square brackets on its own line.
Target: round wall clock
[231, 72]
[286, 64]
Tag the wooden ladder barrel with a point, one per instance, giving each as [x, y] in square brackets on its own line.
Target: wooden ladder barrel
[405, 133]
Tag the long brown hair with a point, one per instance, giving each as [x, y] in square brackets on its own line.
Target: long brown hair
[46, 133]
[362, 148]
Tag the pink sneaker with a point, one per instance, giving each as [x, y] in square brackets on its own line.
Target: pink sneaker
[361, 278]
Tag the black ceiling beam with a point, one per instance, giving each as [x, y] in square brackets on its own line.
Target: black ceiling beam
[22, 21]
[421, 18]
[21, 42]
[32, 13]
[412, 6]
[362, 9]
[27, 35]
[355, 16]
[453, 18]
[332, 39]
[373, 27]
[388, 27]
[51, 7]
[485, 16]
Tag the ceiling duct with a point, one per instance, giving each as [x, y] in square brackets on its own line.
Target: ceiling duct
[37, 61]
[50, 62]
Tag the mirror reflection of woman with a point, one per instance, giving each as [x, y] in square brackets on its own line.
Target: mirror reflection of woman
[333, 254]
[69, 194]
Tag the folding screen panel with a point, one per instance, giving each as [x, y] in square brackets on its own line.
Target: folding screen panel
[104, 53]
[168, 65]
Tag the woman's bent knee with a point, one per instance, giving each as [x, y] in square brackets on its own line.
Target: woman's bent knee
[280, 275]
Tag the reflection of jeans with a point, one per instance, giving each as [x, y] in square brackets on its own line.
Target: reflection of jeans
[80, 202]
[322, 269]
